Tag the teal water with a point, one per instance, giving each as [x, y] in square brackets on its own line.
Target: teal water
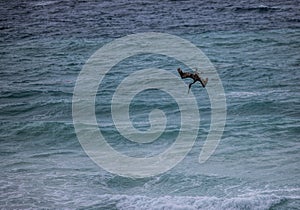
[255, 49]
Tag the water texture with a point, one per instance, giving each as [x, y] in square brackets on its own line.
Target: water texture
[254, 46]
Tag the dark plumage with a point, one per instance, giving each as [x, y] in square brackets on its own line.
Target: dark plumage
[194, 76]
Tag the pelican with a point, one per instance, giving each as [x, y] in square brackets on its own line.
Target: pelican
[195, 76]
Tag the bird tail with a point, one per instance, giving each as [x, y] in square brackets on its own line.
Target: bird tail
[205, 81]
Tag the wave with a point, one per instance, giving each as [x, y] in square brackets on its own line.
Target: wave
[246, 201]
[23, 93]
[260, 8]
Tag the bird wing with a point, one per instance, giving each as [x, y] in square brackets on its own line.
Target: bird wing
[195, 77]
[184, 74]
[203, 82]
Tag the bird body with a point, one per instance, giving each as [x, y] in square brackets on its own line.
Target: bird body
[195, 76]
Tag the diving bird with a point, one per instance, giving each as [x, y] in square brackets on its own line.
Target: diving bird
[195, 76]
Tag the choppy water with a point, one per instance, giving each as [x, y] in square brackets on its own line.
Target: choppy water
[254, 46]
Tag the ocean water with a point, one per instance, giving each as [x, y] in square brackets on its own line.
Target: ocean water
[254, 46]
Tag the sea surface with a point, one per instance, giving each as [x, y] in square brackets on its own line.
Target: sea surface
[255, 48]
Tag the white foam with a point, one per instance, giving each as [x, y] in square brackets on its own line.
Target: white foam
[45, 3]
[242, 94]
[249, 94]
[193, 202]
